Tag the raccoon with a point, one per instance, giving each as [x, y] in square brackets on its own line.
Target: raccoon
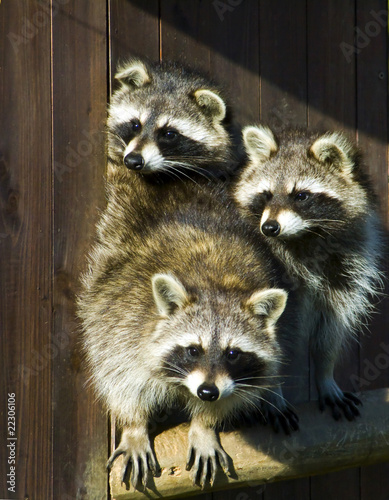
[166, 120]
[311, 198]
[180, 308]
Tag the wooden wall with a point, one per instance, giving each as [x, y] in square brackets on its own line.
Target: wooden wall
[312, 63]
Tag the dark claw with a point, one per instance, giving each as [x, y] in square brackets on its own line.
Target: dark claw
[135, 473]
[136, 470]
[354, 409]
[286, 419]
[293, 420]
[285, 425]
[204, 464]
[190, 461]
[353, 397]
[113, 457]
[348, 413]
[346, 404]
[329, 401]
[274, 422]
[350, 410]
[153, 466]
[336, 413]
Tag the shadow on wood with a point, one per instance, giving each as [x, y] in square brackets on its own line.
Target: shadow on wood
[260, 455]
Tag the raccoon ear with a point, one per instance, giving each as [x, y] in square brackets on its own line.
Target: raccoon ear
[211, 104]
[133, 74]
[169, 294]
[268, 303]
[334, 149]
[259, 142]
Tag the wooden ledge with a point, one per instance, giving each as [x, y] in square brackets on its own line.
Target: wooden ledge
[259, 455]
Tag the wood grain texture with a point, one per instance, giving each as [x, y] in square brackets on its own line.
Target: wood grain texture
[79, 112]
[332, 105]
[133, 30]
[282, 62]
[235, 56]
[25, 246]
[331, 78]
[283, 70]
[283, 36]
[260, 455]
[184, 28]
[372, 124]
[332, 97]
[203, 35]
[372, 92]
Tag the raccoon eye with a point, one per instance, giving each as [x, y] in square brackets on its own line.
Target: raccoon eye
[303, 196]
[135, 125]
[128, 130]
[170, 135]
[193, 352]
[233, 354]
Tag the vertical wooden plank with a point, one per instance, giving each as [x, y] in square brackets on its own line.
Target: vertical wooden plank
[220, 39]
[331, 78]
[79, 103]
[372, 91]
[26, 248]
[283, 66]
[133, 29]
[331, 101]
[371, 46]
[235, 56]
[233, 40]
[283, 63]
[184, 27]
[284, 103]
[331, 89]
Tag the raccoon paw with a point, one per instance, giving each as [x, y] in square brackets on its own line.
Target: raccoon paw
[138, 455]
[203, 454]
[281, 417]
[339, 402]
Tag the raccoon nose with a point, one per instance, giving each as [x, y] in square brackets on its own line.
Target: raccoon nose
[271, 228]
[134, 161]
[208, 392]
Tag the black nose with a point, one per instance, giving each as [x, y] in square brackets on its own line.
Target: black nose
[208, 392]
[134, 161]
[271, 228]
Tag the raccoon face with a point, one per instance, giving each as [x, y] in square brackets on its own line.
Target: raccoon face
[296, 209]
[301, 185]
[213, 349]
[161, 120]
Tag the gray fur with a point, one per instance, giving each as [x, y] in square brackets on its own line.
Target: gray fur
[181, 121]
[309, 194]
[174, 266]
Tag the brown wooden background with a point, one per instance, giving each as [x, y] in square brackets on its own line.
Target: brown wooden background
[282, 61]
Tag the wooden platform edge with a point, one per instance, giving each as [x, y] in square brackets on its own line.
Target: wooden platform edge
[259, 455]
